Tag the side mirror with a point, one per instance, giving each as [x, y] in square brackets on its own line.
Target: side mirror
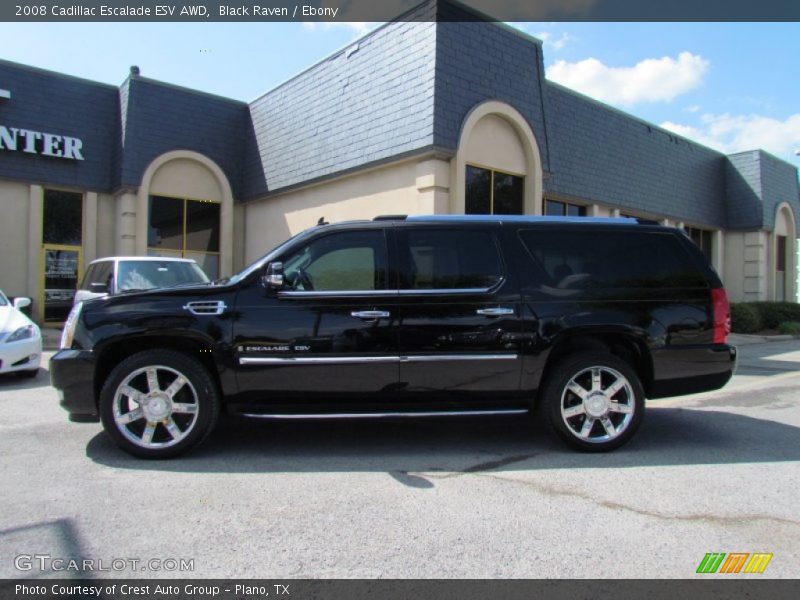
[20, 303]
[273, 278]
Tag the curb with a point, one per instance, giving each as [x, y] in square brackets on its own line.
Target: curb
[742, 339]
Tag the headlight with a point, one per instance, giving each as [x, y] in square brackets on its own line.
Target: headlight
[23, 333]
[70, 326]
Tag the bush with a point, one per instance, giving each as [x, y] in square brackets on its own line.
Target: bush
[774, 313]
[789, 328]
[745, 318]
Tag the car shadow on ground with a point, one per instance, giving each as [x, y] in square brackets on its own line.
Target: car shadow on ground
[668, 437]
[12, 381]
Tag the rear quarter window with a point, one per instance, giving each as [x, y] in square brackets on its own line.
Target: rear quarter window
[98, 273]
[564, 261]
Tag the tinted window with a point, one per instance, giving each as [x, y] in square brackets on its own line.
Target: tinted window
[478, 193]
[569, 260]
[448, 259]
[508, 192]
[554, 208]
[165, 223]
[98, 273]
[492, 192]
[62, 221]
[148, 274]
[351, 260]
[202, 226]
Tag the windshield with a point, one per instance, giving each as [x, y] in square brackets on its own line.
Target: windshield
[149, 274]
[255, 266]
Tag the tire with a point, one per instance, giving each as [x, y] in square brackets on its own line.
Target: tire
[582, 412]
[149, 413]
[29, 374]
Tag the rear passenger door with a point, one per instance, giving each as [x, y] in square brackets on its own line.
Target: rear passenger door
[460, 327]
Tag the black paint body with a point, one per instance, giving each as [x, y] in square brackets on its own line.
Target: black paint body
[433, 352]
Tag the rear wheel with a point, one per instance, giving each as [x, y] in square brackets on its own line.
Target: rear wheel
[158, 404]
[594, 401]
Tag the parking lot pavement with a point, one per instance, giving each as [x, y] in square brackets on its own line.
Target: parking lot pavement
[717, 472]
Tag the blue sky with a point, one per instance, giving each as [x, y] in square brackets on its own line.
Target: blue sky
[730, 85]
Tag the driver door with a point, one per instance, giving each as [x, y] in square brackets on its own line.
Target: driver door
[330, 332]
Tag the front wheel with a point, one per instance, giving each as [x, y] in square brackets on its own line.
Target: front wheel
[594, 401]
[159, 403]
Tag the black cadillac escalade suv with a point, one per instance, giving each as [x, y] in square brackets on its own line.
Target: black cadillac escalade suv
[580, 318]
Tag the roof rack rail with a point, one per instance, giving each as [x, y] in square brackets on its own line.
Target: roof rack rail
[646, 221]
[390, 218]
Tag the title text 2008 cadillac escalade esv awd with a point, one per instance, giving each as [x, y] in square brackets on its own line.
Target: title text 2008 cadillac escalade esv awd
[580, 318]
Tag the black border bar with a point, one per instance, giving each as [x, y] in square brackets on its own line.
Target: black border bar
[728, 587]
[398, 10]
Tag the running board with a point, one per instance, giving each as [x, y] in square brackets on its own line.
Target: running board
[443, 413]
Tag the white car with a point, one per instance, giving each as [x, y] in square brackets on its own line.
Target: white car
[20, 339]
[115, 274]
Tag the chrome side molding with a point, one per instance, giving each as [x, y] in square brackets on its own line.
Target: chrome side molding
[340, 360]
[391, 415]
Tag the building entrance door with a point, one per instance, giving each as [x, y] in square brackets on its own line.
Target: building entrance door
[61, 269]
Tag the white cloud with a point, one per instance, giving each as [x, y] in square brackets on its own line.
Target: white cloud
[735, 133]
[358, 27]
[557, 43]
[650, 80]
[692, 109]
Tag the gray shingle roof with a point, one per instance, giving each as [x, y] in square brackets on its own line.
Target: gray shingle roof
[158, 117]
[54, 103]
[369, 102]
[757, 182]
[600, 153]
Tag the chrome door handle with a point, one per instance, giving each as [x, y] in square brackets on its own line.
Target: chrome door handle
[495, 312]
[369, 315]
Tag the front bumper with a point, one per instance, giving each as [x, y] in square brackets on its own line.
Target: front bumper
[24, 355]
[72, 374]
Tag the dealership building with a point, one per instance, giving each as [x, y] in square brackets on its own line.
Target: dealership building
[440, 113]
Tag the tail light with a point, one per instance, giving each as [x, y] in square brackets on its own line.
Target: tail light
[721, 310]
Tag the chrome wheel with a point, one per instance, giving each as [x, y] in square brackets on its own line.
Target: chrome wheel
[155, 407]
[597, 404]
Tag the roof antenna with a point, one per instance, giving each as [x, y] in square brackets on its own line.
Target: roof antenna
[322, 221]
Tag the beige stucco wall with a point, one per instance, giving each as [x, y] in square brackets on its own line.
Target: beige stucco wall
[14, 200]
[494, 143]
[106, 225]
[185, 174]
[745, 270]
[185, 178]
[733, 271]
[495, 134]
[389, 190]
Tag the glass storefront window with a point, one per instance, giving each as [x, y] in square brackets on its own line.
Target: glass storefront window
[165, 223]
[63, 218]
[489, 192]
[61, 272]
[62, 237]
[186, 228]
[702, 239]
[202, 226]
[555, 208]
[478, 193]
